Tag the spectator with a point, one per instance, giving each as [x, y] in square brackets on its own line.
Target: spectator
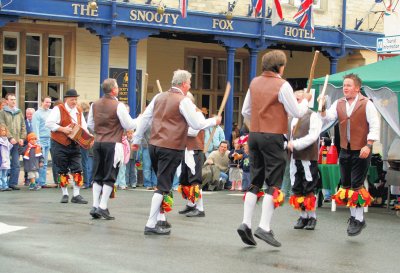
[13, 118]
[235, 162]
[235, 133]
[28, 119]
[3, 102]
[43, 134]
[54, 167]
[221, 160]
[86, 168]
[246, 168]
[219, 136]
[5, 148]
[131, 172]
[150, 178]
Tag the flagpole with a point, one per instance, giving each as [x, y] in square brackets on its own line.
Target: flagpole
[262, 22]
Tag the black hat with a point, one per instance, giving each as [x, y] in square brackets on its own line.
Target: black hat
[71, 93]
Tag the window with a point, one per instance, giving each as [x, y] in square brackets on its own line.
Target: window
[237, 78]
[192, 68]
[10, 52]
[55, 91]
[9, 87]
[33, 55]
[56, 52]
[207, 73]
[32, 95]
[221, 77]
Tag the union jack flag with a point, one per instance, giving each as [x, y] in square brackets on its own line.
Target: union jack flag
[183, 7]
[257, 6]
[304, 15]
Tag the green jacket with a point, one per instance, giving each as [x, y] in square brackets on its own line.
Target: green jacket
[15, 122]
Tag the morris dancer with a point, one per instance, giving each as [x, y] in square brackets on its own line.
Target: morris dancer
[267, 104]
[67, 153]
[169, 114]
[107, 118]
[190, 180]
[303, 145]
[359, 129]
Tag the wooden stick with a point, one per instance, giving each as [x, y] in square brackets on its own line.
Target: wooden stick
[144, 92]
[159, 86]
[221, 109]
[323, 93]
[311, 77]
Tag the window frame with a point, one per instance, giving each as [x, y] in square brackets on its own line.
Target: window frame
[18, 37]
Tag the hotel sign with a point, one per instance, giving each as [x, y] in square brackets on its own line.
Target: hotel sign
[301, 33]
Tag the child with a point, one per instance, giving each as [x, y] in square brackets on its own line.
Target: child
[246, 167]
[131, 173]
[5, 147]
[33, 160]
[235, 173]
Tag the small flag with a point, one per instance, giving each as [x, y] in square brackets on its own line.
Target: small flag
[304, 15]
[183, 7]
[277, 14]
[257, 6]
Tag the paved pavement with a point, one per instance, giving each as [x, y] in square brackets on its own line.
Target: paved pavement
[63, 238]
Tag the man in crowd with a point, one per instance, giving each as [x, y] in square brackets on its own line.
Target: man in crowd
[359, 129]
[67, 153]
[107, 118]
[28, 119]
[220, 158]
[12, 117]
[43, 134]
[219, 136]
[267, 104]
[169, 113]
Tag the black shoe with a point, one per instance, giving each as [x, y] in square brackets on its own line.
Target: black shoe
[15, 188]
[104, 213]
[93, 213]
[301, 223]
[157, 230]
[187, 209]
[246, 235]
[267, 236]
[78, 200]
[351, 221]
[64, 199]
[196, 213]
[164, 224]
[312, 222]
[356, 228]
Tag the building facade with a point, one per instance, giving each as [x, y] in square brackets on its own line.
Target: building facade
[49, 46]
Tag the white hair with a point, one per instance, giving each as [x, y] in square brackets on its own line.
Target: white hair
[180, 77]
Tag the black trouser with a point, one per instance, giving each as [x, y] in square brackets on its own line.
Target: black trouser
[67, 158]
[353, 169]
[301, 185]
[187, 178]
[267, 160]
[103, 161]
[165, 162]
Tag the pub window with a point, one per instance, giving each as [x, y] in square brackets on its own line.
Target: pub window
[55, 91]
[32, 94]
[33, 55]
[9, 87]
[221, 77]
[236, 109]
[237, 79]
[56, 56]
[10, 53]
[192, 68]
[207, 73]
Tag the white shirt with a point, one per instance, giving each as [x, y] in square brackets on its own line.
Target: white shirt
[123, 115]
[186, 108]
[313, 132]
[54, 119]
[371, 113]
[286, 97]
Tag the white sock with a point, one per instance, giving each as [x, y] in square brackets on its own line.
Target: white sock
[76, 190]
[199, 204]
[249, 204]
[107, 190]
[96, 194]
[190, 204]
[154, 210]
[360, 214]
[64, 190]
[312, 214]
[267, 212]
[303, 214]
[161, 217]
[353, 212]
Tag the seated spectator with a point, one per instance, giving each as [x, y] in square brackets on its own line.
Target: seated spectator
[221, 160]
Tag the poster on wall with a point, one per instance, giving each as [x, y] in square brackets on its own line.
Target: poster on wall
[121, 76]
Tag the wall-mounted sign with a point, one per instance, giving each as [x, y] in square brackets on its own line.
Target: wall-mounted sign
[389, 44]
[296, 32]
